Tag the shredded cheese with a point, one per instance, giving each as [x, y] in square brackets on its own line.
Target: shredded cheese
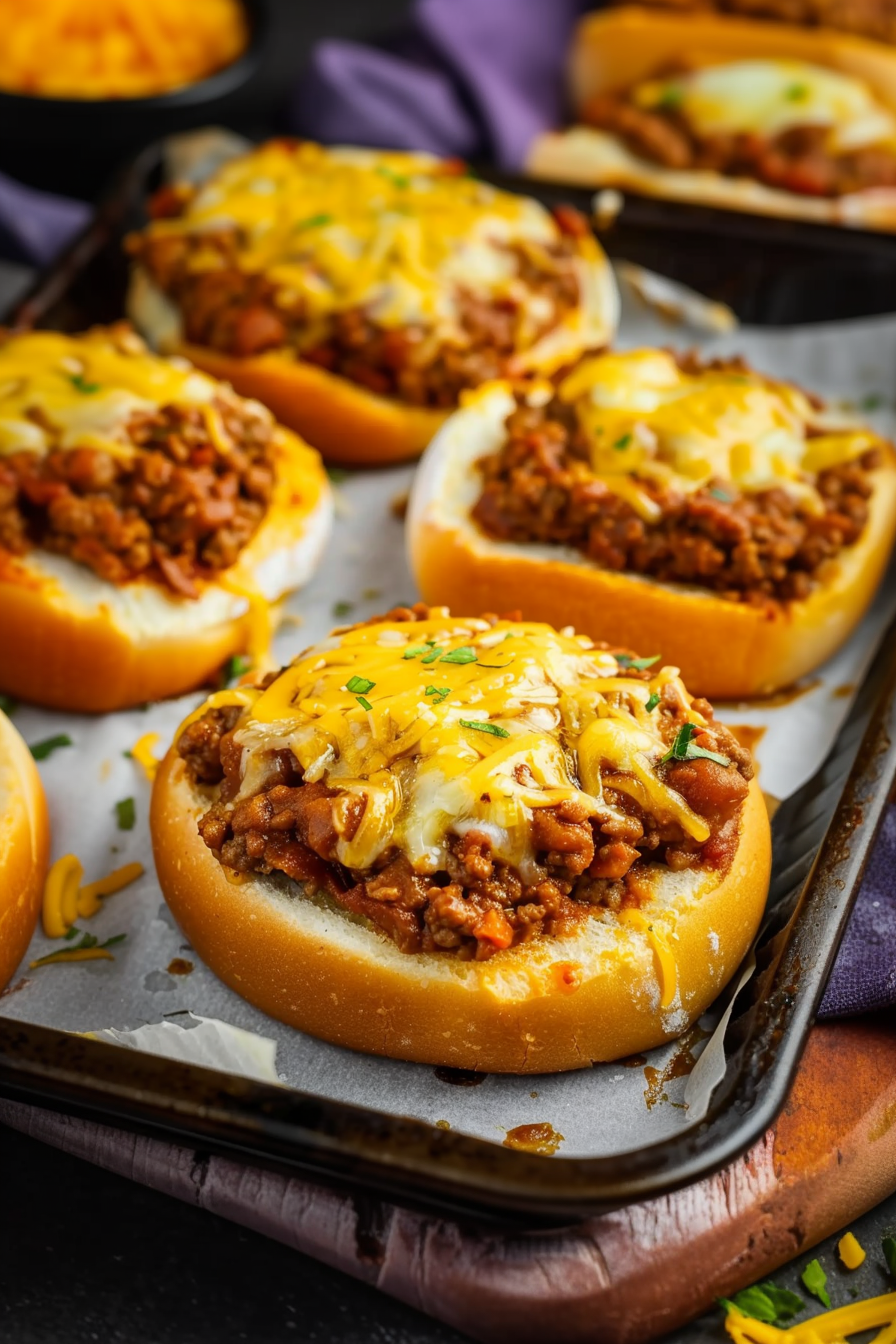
[65, 900]
[649, 423]
[667, 970]
[443, 725]
[397, 234]
[831, 1327]
[66, 392]
[142, 753]
[851, 1252]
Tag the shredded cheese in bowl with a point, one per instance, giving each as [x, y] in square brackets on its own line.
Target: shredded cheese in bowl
[116, 48]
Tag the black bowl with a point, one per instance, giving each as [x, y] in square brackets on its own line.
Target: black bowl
[72, 145]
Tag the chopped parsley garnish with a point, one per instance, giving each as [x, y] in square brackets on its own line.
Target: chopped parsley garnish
[652, 702]
[341, 609]
[464, 655]
[338, 474]
[872, 402]
[795, 93]
[432, 655]
[8, 705]
[414, 650]
[41, 750]
[622, 443]
[493, 728]
[114, 940]
[313, 222]
[765, 1302]
[126, 814]
[684, 749]
[80, 384]
[440, 691]
[888, 1246]
[722, 495]
[359, 685]
[814, 1279]
[236, 667]
[638, 664]
[672, 96]
[365, 704]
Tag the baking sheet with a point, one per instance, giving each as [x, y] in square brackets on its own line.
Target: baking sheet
[605, 1110]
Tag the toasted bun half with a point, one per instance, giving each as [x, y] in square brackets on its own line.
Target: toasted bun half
[616, 48]
[726, 650]
[344, 421]
[73, 641]
[547, 1006]
[24, 847]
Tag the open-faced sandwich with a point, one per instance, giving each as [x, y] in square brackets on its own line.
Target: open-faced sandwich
[723, 520]
[24, 847]
[471, 842]
[357, 293]
[148, 516]
[721, 111]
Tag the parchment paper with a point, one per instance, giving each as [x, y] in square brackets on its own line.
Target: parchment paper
[604, 1110]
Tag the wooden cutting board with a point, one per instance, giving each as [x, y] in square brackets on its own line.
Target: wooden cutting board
[621, 1278]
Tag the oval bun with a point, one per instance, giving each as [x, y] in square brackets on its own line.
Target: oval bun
[725, 650]
[546, 1006]
[615, 48]
[73, 641]
[24, 847]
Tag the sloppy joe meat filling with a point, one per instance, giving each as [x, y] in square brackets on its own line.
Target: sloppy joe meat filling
[245, 313]
[539, 487]
[797, 159]
[477, 904]
[175, 510]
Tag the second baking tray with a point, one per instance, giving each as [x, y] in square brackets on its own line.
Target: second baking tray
[372, 1121]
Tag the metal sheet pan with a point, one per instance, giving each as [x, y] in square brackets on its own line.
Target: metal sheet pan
[627, 1133]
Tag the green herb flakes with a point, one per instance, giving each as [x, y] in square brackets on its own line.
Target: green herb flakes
[636, 664]
[888, 1246]
[41, 750]
[359, 685]
[126, 814]
[432, 655]
[365, 704]
[671, 97]
[652, 702]
[236, 667]
[463, 655]
[495, 729]
[684, 749]
[8, 706]
[313, 222]
[765, 1302]
[338, 474]
[621, 444]
[80, 384]
[440, 692]
[796, 93]
[341, 609]
[414, 650]
[814, 1280]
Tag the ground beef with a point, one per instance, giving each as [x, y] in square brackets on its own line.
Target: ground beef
[870, 18]
[175, 511]
[478, 904]
[795, 160]
[245, 313]
[758, 547]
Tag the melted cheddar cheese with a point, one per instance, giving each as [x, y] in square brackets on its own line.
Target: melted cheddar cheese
[396, 234]
[645, 419]
[446, 725]
[59, 391]
[768, 97]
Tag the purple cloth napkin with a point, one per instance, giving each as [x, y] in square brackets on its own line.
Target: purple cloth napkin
[35, 226]
[864, 974]
[476, 78]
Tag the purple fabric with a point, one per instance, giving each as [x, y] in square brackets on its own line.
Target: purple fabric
[476, 78]
[864, 974]
[35, 226]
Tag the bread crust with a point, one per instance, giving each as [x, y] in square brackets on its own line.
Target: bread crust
[615, 48]
[65, 654]
[547, 1006]
[725, 650]
[24, 847]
